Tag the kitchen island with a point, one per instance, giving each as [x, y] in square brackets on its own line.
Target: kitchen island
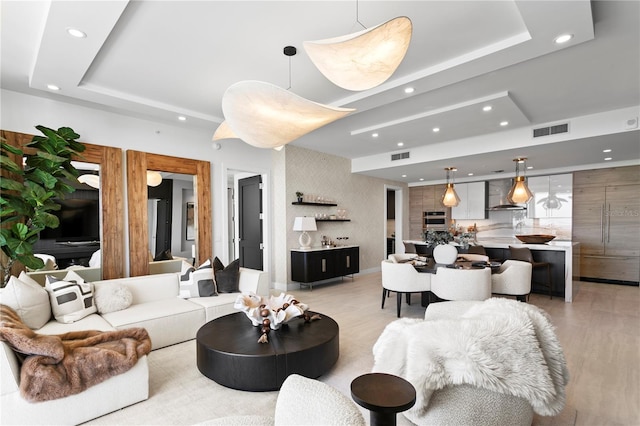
[564, 257]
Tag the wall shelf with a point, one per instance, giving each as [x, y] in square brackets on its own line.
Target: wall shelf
[333, 220]
[304, 203]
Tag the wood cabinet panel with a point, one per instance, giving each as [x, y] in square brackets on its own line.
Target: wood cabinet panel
[604, 177]
[589, 219]
[617, 268]
[622, 211]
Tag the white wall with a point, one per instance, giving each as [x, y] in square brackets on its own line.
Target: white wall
[21, 113]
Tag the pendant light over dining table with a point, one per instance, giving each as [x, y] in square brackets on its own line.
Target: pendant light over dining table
[450, 197]
[520, 192]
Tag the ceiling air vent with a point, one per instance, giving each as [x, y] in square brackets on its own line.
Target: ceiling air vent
[551, 130]
[400, 156]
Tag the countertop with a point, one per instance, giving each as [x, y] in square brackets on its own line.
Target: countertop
[319, 248]
[505, 242]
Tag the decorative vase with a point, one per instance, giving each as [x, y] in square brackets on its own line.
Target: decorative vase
[445, 254]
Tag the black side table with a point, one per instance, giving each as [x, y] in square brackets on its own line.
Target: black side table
[383, 395]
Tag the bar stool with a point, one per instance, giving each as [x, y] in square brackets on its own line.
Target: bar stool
[524, 254]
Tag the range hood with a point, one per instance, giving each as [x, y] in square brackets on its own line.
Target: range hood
[498, 190]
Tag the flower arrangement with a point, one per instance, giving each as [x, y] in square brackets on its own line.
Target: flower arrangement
[434, 238]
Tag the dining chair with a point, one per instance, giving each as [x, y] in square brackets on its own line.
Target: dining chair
[461, 284]
[477, 250]
[512, 279]
[472, 257]
[402, 278]
[524, 254]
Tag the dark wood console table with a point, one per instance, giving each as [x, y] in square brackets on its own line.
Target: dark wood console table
[308, 266]
[228, 351]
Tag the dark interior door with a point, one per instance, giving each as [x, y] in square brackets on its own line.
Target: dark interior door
[250, 222]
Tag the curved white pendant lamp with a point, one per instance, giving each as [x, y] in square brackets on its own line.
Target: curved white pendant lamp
[365, 59]
[224, 132]
[267, 116]
[91, 180]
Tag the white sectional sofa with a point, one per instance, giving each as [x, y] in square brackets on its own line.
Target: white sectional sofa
[156, 307]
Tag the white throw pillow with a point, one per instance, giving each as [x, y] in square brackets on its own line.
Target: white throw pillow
[112, 298]
[73, 276]
[70, 300]
[197, 282]
[28, 299]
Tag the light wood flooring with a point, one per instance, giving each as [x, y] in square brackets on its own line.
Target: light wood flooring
[599, 332]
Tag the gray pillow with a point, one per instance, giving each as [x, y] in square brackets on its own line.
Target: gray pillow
[228, 279]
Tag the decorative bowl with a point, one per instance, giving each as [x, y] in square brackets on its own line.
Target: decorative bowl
[279, 310]
[535, 238]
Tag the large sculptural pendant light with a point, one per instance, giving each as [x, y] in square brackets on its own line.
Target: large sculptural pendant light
[450, 197]
[267, 116]
[520, 192]
[365, 59]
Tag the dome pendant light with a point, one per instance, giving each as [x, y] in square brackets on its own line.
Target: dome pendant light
[450, 198]
[520, 193]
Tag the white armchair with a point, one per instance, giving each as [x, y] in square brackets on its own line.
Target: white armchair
[403, 279]
[512, 279]
[462, 284]
[303, 401]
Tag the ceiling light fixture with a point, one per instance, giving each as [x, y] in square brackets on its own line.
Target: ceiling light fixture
[409, 90]
[436, 129]
[608, 159]
[563, 38]
[91, 180]
[450, 198]
[404, 176]
[53, 87]
[487, 108]
[400, 143]
[74, 32]
[374, 135]
[606, 150]
[182, 118]
[504, 123]
[365, 59]
[153, 178]
[266, 116]
[519, 192]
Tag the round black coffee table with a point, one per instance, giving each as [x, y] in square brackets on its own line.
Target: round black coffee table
[228, 351]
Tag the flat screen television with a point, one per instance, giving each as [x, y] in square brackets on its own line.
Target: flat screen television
[79, 221]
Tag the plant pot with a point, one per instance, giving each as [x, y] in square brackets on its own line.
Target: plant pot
[299, 199]
[445, 254]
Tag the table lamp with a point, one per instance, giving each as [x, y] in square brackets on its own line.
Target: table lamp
[305, 224]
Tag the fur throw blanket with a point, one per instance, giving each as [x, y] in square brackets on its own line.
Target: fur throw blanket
[56, 366]
[500, 345]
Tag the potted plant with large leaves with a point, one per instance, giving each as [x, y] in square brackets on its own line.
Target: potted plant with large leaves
[29, 193]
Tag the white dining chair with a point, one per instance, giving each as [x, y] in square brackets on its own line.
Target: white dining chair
[512, 279]
[461, 284]
[403, 278]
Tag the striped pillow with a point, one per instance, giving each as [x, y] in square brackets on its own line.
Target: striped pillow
[197, 282]
[70, 300]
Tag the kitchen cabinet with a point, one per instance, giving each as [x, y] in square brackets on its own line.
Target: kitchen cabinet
[551, 196]
[473, 201]
[423, 199]
[606, 222]
[308, 266]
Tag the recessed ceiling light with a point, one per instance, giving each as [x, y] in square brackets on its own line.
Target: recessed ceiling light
[529, 167]
[421, 179]
[606, 150]
[408, 90]
[374, 135]
[607, 159]
[74, 32]
[504, 123]
[487, 108]
[563, 38]
[469, 174]
[182, 118]
[436, 129]
[400, 143]
[52, 87]
[404, 175]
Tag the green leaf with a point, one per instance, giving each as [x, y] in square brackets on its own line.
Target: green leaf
[20, 230]
[8, 164]
[12, 149]
[51, 157]
[31, 262]
[10, 184]
[43, 177]
[68, 133]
